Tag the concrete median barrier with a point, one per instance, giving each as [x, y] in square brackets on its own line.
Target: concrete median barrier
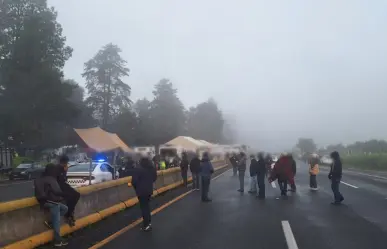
[22, 221]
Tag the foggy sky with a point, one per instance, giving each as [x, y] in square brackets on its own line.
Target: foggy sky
[283, 69]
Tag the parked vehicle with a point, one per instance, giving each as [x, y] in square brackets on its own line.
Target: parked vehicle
[26, 171]
[78, 175]
[326, 160]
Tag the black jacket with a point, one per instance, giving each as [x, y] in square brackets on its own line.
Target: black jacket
[234, 161]
[336, 171]
[294, 166]
[47, 190]
[253, 167]
[261, 167]
[144, 177]
[242, 164]
[195, 165]
[184, 164]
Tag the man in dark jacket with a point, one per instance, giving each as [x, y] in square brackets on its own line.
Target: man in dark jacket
[206, 170]
[71, 196]
[261, 173]
[253, 174]
[142, 181]
[242, 171]
[294, 171]
[50, 196]
[234, 164]
[195, 170]
[335, 175]
[184, 164]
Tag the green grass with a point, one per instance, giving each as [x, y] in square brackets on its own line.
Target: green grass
[366, 162]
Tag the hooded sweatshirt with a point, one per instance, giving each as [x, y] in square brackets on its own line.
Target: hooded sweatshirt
[206, 168]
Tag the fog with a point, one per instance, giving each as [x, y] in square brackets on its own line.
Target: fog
[281, 69]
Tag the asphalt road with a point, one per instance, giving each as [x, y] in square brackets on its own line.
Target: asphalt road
[13, 190]
[303, 220]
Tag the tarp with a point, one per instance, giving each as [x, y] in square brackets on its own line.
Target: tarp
[101, 141]
[121, 143]
[188, 143]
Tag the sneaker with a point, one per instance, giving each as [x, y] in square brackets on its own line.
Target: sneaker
[252, 192]
[241, 190]
[70, 221]
[48, 224]
[206, 200]
[147, 228]
[61, 243]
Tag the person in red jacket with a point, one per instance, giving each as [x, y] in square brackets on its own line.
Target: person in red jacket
[283, 172]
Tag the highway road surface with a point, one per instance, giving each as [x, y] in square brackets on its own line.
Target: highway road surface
[304, 219]
[13, 190]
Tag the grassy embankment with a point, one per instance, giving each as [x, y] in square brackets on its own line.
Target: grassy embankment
[366, 162]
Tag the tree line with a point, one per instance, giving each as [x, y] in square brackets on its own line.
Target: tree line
[39, 106]
[373, 146]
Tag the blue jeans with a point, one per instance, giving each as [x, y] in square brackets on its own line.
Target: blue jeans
[56, 210]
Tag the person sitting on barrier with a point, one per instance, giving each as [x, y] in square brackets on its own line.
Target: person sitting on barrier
[142, 181]
[184, 168]
[50, 196]
[206, 170]
[195, 170]
[71, 195]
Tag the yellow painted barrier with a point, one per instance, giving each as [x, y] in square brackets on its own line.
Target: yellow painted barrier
[47, 236]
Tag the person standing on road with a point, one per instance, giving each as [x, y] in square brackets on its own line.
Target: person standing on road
[261, 174]
[253, 174]
[195, 170]
[206, 170]
[142, 182]
[50, 196]
[184, 164]
[282, 171]
[313, 171]
[335, 175]
[71, 195]
[293, 175]
[241, 172]
[234, 163]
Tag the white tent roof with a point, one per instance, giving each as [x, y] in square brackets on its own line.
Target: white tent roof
[186, 142]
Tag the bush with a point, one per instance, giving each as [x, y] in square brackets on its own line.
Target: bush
[363, 161]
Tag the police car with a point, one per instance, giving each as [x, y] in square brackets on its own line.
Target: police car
[79, 175]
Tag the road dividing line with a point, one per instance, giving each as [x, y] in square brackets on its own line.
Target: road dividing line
[363, 174]
[273, 185]
[135, 223]
[290, 240]
[138, 221]
[349, 184]
[221, 174]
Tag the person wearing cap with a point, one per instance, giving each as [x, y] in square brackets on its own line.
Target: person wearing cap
[71, 195]
[206, 170]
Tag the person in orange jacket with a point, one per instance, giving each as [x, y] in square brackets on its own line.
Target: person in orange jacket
[313, 171]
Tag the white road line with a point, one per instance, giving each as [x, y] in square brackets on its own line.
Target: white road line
[290, 240]
[273, 185]
[221, 174]
[363, 174]
[349, 184]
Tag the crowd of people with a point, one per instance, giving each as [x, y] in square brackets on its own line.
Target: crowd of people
[57, 197]
[284, 171]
